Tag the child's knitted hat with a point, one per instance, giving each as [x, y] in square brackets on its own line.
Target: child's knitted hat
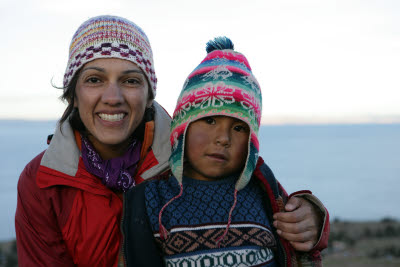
[110, 37]
[222, 84]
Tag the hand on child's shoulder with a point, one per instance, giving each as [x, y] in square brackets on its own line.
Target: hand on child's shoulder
[300, 224]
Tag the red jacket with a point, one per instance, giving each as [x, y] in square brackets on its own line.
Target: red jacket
[277, 198]
[65, 216]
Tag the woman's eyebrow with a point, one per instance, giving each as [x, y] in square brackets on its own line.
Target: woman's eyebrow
[133, 71]
[103, 70]
[93, 68]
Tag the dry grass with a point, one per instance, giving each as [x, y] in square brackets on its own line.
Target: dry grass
[359, 262]
[363, 244]
[351, 244]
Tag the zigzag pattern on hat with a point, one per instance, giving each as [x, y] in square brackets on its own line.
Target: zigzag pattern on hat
[112, 50]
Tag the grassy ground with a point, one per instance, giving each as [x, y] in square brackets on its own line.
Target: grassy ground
[360, 262]
[8, 254]
[363, 244]
[351, 244]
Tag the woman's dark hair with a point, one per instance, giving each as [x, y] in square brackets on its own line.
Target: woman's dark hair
[71, 113]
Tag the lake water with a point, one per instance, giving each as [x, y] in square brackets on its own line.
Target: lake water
[353, 169]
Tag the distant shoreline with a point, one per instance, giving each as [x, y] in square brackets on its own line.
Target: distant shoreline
[268, 124]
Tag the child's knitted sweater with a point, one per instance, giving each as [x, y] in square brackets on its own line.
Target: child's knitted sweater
[197, 218]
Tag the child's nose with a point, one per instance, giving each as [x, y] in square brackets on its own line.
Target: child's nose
[112, 94]
[223, 137]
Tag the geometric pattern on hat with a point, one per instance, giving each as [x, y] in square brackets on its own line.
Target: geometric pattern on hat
[222, 85]
[110, 37]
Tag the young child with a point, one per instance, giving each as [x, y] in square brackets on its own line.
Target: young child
[216, 208]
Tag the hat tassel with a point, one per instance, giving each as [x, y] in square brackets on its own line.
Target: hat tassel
[220, 238]
[162, 230]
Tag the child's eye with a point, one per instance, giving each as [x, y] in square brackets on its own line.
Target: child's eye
[209, 120]
[241, 128]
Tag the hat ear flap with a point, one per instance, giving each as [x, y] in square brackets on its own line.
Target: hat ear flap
[177, 158]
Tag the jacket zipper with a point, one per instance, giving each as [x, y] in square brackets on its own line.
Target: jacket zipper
[283, 250]
[278, 239]
[122, 231]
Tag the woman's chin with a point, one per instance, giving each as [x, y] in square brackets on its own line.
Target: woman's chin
[110, 141]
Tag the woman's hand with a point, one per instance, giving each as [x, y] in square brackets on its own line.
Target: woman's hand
[300, 224]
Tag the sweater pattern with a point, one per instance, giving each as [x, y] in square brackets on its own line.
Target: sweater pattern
[197, 218]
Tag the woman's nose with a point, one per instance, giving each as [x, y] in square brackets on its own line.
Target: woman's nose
[112, 94]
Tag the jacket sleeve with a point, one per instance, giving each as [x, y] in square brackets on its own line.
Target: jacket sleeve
[39, 239]
[279, 197]
[278, 190]
[139, 245]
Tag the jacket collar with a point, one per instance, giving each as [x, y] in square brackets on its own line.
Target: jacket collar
[161, 145]
[63, 153]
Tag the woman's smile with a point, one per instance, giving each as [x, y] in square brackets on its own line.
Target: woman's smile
[111, 96]
[111, 117]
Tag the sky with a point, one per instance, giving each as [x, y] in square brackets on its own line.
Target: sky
[316, 61]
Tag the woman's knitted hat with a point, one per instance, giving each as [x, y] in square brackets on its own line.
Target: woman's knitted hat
[110, 37]
[222, 84]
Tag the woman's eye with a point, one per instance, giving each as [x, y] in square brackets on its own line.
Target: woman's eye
[133, 81]
[93, 80]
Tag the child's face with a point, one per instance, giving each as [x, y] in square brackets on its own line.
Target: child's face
[216, 147]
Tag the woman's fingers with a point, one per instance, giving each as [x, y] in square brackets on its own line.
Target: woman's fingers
[299, 224]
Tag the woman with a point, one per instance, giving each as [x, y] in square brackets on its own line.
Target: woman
[112, 136]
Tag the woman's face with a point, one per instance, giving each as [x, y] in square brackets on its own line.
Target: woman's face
[111, 96]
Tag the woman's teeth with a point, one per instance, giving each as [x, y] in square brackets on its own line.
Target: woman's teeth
[111, 117]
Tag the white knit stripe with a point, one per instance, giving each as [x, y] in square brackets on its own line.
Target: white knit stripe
[221, 258]
[215, 226]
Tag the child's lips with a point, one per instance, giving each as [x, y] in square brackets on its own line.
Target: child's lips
[218, 156]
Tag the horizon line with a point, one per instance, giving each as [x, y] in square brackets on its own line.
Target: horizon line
[286, 120]
[322, 120]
